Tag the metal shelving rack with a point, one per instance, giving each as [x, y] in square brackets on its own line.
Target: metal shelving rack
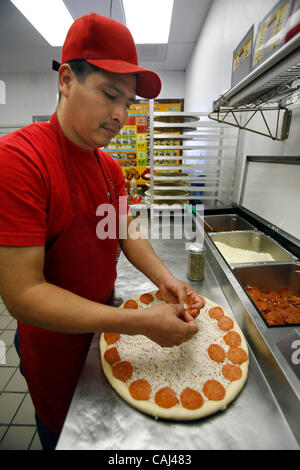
[271, 87]
[205, 167]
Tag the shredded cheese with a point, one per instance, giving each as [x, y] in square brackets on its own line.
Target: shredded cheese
[238, 255]
[187, 365]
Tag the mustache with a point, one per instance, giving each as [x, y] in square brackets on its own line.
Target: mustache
[113, 127]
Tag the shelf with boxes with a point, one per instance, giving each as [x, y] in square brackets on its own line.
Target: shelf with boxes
[131, 146]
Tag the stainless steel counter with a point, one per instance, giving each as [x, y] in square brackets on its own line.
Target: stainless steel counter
[99, 419]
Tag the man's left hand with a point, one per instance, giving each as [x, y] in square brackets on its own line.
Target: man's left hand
[173, 290]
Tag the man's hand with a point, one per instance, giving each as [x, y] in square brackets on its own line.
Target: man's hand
[173, 290]
[168, 325]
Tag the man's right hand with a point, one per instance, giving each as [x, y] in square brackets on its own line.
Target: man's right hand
[168, 325]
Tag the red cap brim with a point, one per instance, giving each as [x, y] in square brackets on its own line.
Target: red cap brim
[148, 82]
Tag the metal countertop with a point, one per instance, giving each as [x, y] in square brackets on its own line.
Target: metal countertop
[99, 419]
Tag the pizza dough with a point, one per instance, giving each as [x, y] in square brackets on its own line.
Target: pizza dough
[186, 382]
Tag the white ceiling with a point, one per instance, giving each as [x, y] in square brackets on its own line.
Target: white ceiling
[24, 50]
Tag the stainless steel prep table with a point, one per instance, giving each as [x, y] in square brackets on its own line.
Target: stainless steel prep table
[99, 419]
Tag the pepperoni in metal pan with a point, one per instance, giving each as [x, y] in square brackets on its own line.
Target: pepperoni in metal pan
[140, 389]
[237, 355]
[225, 323]
[146, 298]
[231, 372]
[111, 338]
[123, 370]
[191, 399]
[232, 338]
[216, 312]
[111, 355]
[165, 397]
[213, 390]
[131, 304]
[216, 352]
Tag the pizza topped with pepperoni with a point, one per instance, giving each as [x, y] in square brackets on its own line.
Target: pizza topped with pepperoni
[190, 381]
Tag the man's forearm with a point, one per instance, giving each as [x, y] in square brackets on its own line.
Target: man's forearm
[48, 306]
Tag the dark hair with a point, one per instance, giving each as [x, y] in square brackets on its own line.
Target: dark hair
[82, 69]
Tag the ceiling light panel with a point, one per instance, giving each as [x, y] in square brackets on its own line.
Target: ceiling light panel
[149, 20]
[50, 17]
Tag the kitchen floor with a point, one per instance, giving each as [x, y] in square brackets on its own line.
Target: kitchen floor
[17, 423]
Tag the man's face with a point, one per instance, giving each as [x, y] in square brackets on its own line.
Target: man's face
[98, 108]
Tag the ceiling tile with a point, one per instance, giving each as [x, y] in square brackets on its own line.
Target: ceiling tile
[24, 50]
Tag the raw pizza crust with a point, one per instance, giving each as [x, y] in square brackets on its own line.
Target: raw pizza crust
[177, 412]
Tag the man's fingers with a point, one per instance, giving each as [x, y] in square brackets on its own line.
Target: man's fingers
[188, 317]
[168, 296]
[198, 301]
[182, 296]
[179, 310]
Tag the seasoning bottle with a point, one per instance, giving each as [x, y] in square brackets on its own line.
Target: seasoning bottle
[196, 262]
[133, 187]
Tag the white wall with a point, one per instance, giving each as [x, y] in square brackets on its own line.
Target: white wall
[208, 74]
[173, 84]
[27, 95]
[36, 94]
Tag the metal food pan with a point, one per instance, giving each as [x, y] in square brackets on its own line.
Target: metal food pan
[226, 223]
[271, 277]
[253, 241]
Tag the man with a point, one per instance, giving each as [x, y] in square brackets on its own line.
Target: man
[56, 276]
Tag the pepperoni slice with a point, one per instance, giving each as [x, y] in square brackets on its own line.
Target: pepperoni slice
[216, 312]
[131, 304]
[165, 397]
[231, 372]
[216, 353]
[237, 355]
[111, 355]
[146, 298]
[193, 312]
[111, 338]
[123, 370]
[213, 390]
[225, 323]
[191, 399]
[140, 389]
[232, 338]
[190, 300]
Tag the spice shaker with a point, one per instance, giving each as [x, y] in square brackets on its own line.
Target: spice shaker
[196, 262]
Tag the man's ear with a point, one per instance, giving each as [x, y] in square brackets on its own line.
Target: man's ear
[66, 77]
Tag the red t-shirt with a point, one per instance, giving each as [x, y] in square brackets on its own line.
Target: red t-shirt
[35, 205]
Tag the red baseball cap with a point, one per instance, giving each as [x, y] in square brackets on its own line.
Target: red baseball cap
[109, 45]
